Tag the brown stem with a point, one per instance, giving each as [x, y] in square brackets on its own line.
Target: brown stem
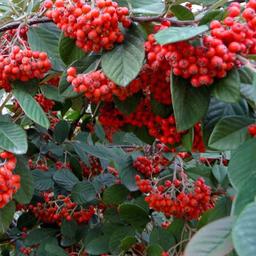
[33, 21]
[175, 22]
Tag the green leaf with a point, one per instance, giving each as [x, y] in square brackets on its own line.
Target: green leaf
[244, 232]
[219, 172]
[245, 195]
[43, 180]
[154, 250]
[190, 104]
[248, 91]
[61, 131]
[26, 219]
[13, 138]
[134, 215]
[177, 34]
[37, 236]
[117, 236]
[127, 174]
[68, 50]
[125, 61]
[83, 65]
[25, 193]
[242, 165]
[45, 37]
[6, 216]
[213, 239]
[230, 132]
[51, 92]
[65, 179]
[115, 194]
[55, 250]
[162, 237]
[31, 108]
[181, 12]
[149, 7]
[187, 140]
[127, 242]
[221, 209]
[227, 89]
[83, 192]
[160, 109]
[98, 245]
[128, 105]
[212, 15]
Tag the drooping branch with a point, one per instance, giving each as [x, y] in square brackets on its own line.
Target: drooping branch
[16, 24]
[139, 19]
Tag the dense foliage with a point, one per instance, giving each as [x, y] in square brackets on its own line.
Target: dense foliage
[127, 128]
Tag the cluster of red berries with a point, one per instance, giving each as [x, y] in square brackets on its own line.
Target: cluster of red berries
[163, 129]
[39, 165]
[146, 166]
[200, 64]
[252, 129]
[237, 36]
[9, 182]
[97, 87]
[22, 65]
[93, 27]
[26, 250]
[56, 210]
[178, 198]
[93, 169]
[46, 104]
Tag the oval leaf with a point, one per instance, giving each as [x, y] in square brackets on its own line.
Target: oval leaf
[230, 132]
[124, 62]
[227, 89]
[83, 192]
[242, 165]
[212, 240]
[181, 12]
[190, 104]
[31, 108]
[6, 216]
[177, 34]
[244, 232]
[13, 138]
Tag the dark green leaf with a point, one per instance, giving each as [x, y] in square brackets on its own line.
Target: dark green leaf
[212, 15]
[61, 131]
[26, 219]
[51, 92]
[176, 34]
[83, 192]
[31, 108]
[68, 50]
[125, 61]
[25, 193]
[115, 194]
[65, 179]
[36, 236]
[230, 132]
[134, 215]
[160, 109]
[154, 250]
[182, 12]
[45, 37]
[6, 216]
[129, 105]
[190, 104]
[13, 138]
[98, 245]
[43, 180]
[162, 237]
[227, 89]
